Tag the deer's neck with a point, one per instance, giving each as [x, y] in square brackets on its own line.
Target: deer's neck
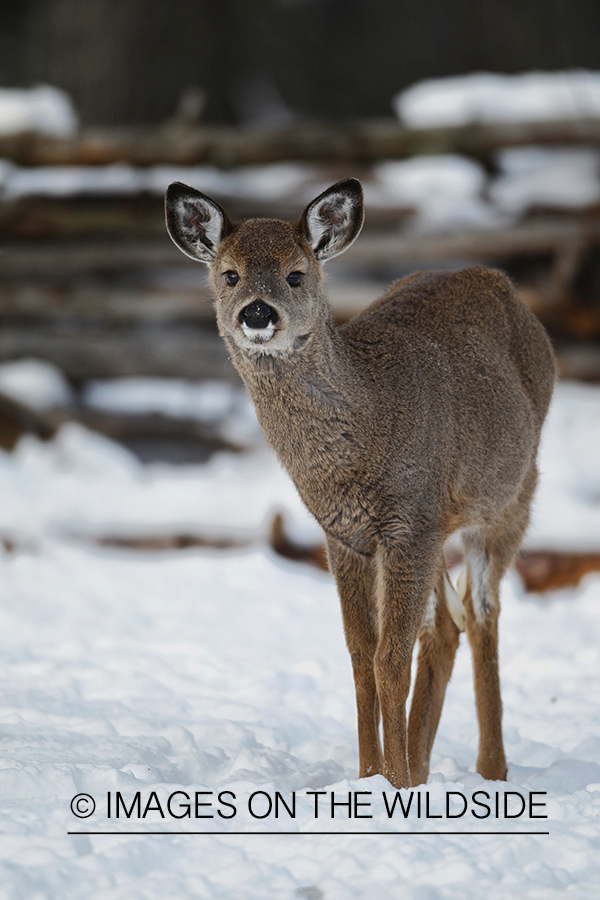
[309, 408]
[304, 400]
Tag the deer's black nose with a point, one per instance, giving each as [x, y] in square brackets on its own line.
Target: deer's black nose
[258, 315]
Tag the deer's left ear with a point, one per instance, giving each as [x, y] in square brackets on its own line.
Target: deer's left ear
[333, 221]
[195, 223]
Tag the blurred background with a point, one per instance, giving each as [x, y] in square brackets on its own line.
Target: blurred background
[474, 128]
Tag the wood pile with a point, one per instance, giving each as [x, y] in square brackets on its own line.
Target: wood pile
[117, 304]
[94, 285]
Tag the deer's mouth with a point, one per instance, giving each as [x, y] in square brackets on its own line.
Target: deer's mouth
[258, 321]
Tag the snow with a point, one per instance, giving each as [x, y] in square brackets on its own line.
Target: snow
[43, 109]
[81, 481]
[224, 405]
[445, 190]
[204, 671]
[205, 400]
[485, 97]
[264, 183]
[566, 511]
[37, 384]
[67, 181]
[560, 177]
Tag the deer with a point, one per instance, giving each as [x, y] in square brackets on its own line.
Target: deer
[413, 423]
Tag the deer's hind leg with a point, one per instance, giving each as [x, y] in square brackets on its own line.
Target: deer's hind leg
[482, 606]
[355, 582]
[438, 643]
[489, 552]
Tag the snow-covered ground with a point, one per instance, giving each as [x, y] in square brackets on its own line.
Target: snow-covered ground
[224, 675]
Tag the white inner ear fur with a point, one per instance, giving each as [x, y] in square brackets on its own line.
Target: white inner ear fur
[200, 227]
[328, 223]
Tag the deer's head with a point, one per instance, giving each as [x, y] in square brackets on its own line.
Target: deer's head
[265, 273]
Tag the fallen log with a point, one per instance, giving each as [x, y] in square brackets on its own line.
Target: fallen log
[103, 303]
[537, 236]
[83, 353]
[547, 570]
[130, 428]
[578, 360]
[164, 543]
[36, 217]
[150, 436]
[60, 259]
[541, 570]
[358, 141]
[281, 543]
[17, 419]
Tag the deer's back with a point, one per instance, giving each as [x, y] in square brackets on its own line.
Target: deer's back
[460, 373]
[454, 331]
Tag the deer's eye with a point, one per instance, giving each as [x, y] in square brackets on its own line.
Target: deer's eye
[294, 278]
[232, 277]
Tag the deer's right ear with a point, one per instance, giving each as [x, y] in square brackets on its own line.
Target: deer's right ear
[195, 222]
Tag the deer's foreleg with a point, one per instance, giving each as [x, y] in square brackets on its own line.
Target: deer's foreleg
[404, 581]
[355, 582]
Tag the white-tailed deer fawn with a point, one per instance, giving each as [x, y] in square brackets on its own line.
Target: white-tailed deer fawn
[419, 418]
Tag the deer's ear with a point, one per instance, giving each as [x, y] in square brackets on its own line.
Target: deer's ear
[195, 222]
[333, 221]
